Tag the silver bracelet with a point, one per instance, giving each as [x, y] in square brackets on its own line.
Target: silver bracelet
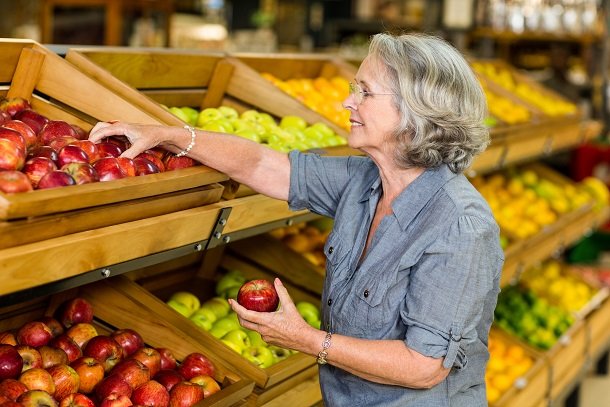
[191, 144]
[321, 359]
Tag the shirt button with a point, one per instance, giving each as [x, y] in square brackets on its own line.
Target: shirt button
[366, 293]
[330, 301]
[331, 250]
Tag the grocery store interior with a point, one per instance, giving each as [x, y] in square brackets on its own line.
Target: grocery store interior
[138, 249]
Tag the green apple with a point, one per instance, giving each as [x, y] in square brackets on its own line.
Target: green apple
[313, 133]
[267, 120]
[217, 125]
[293, 121]
[225, 324]
[203, 318]
[180, 308]
[218, 305]
[255, 338]
[231, 279]
[232, 292]
[248, 134]
[308, 311]
[228, 112]
[232, 345]
[240, 124]
[250, 115]
[191, 113]
[279, 354]
[180, 114]
[324, 129]
[261, 356]
[207, 115]
[190, 300]
[238, 337]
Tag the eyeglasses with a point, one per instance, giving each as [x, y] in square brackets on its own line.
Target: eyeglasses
[359, 94]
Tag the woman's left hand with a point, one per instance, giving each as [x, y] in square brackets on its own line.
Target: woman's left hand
[284, 327]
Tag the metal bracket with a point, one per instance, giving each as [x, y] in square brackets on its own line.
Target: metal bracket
[216, 237]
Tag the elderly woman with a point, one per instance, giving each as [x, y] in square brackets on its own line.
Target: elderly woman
[413, 261]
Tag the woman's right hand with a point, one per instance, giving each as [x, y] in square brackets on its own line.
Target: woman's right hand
[141, 137]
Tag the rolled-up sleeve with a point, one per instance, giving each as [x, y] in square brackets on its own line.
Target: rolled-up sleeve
[448, 290]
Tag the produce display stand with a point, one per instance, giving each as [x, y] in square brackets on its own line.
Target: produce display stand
[114, 310]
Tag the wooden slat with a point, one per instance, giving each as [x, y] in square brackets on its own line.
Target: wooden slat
[26, 74]
[218, 85]
[10, 51]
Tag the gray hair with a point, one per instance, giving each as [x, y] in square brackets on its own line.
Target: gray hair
[440, 100]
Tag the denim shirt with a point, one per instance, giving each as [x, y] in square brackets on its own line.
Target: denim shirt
[430, 276]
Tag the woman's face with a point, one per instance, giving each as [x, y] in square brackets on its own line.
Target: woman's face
[376, 116]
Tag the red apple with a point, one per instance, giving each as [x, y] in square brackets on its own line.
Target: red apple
[258, 295]
[155, 157]
[90, 371]
[209, 385]
[33, 119]
[128, 166]
[168, 360]
[14, 136]
[168, 378]
[34, 334]
[113, 384]
[75, 311]
[151, 393]
[37, 378]
[81, 133]
[195, 364]
[12, 154]
[14, 105]
[115, 400]
[172, 162]
[66, 380]
[105, 349]
[4, 116]
[54, 129]
[121, 141]
[81, 333]
[29, 135]
[83, 173]
[37, 167]
[13, 182]
[129, 340]
[60, 142]
[133, 371]
[43, 151]
[185, 394]
[12, 388]
[52, 356]
[56, 179]
[67, 344]
[11, 362]
[71, 154]
[90, 148]
[54, 325]
[107, 149]
[37, 398]
[150, 357]
[144, 166]
[8, 338]
[76, 400]
[31, 357]
[108, 169]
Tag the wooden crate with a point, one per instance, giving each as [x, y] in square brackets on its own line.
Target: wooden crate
[115, 310]
[597, 329]
[160, 283]
[60, 91]
[567, 358]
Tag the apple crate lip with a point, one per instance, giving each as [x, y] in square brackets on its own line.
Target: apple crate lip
[258, 295]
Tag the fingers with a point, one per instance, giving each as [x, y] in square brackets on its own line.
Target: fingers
[285, 299]
[104, 129]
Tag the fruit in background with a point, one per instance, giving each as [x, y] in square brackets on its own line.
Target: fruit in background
[11, 362]
[32, 118]
[31, 357]
[168, 360]
[154, 156]
[115, 400]
[82, 173]
[4, 116]
[56, 179]
[255, 338]
[14, 105]
[258, 295]
[13, 181]
[218, 305]
[133, 371]
[81, 133]
[261, 356]
[54, 129]
[36, 167]
[112, 384]
[279, 354]
[76, 400]
[293, 121]
[29, 136]
[309, 312]
[81, 333]
[151, 393]
[90, 371]
[189, 300]
[233, 278]
[66, 381]
[228, 112]
[129, 340]
[68, 345]
[61, 141]
[43, 151]
[105, 350]
[150, 358]
[128, 166]
[171, 162]
[14, 136]
[90, 148]
[52, 356]
[34, 333]
[195, 364]
[12, 155]
[209, 385]
[203, 318]
[207, 115]
[36, 398]
[108, 149]
[181, 114]
[224, 325]
[8, 338]
[179, 308]
[144, 166]
[108, 169]
[168, 378]
[12, 388]
[37, 378]
[238, 338]
[54, 325]
[185, 394]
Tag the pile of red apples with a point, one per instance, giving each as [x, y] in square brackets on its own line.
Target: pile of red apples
[62, 360]
[39, 153]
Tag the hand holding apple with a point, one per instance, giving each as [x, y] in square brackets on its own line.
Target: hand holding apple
[258, 295]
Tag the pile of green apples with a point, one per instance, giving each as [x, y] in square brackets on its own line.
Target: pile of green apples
[216, 317]
[291, 133]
